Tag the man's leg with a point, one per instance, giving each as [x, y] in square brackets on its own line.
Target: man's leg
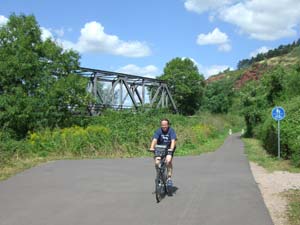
[169, 168]
[157, 161]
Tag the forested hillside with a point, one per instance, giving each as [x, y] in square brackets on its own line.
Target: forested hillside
[288, 51]
[253, 90]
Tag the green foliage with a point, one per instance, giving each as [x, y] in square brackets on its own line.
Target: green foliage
[118, 134]
[75, 141]
[253, 102]
[258, 154]
[292, 81]
[37, 88]
[245, 63]
[218, 96]
[278, 85]
[258, 96]
[185, 84]
[272, 82]
[289, 132]
[10, 148]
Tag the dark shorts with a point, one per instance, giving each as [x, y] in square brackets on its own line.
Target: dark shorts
[168, 153]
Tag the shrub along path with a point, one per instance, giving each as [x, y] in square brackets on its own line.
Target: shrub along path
[214, 189]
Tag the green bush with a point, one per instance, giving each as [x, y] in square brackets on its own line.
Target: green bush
[75, 140]
[118, 134]
[289, 132]
[10, 148]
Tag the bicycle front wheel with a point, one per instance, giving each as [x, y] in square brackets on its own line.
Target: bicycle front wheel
[159, 189]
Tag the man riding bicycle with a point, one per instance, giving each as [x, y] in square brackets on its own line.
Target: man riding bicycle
[165, 135]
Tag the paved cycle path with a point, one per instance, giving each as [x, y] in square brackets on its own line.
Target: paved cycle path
[211, 189]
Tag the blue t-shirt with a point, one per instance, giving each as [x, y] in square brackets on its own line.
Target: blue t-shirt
[165, 138]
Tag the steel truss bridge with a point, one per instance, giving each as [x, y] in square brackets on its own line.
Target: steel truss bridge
[121, 91]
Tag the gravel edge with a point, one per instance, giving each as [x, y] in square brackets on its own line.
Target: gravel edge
[271, 186]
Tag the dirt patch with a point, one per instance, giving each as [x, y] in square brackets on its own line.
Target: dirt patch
[272, 185]
[254, 73]
[215, 78]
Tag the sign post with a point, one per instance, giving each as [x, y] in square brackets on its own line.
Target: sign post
[278, 114]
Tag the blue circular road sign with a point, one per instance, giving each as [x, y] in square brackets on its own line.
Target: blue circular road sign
[278, 113]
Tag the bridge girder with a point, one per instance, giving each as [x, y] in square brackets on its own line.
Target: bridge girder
[120, 91]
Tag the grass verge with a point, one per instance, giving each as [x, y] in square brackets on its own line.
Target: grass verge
[18, 166]
[258, 154]
[293, 197]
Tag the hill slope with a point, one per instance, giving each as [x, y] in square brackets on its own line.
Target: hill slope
[240, 76]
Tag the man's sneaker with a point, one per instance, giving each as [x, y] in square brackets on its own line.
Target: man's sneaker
[169, 183]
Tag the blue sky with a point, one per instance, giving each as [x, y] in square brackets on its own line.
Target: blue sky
[140, 37]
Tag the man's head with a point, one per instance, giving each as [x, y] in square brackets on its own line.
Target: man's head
[164, 124]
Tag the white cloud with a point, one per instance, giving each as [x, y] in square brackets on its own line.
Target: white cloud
[213, 70]
[55, 35]
[147, 71]
[66, 44]
[224, 47]
[262, 49]
[59, 32]
[3, 20]
[194, 61]
[94, 39]
[209, 70]
[216, 37]
[46, 33]
[264, 20]
[212, 17]
[200, 6]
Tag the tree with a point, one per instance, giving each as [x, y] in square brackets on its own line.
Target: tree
[253, 104]
[273, 82]
[218, 96]
[243, 64]
[185, 83]
[37, 87]
[292, 82]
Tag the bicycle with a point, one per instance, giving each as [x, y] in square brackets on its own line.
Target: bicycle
[161, 188]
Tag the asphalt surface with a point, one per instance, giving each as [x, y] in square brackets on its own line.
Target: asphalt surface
[211, 189]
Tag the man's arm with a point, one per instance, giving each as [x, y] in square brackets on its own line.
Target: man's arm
[153, 143]
[173, 140]
[173, 144]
